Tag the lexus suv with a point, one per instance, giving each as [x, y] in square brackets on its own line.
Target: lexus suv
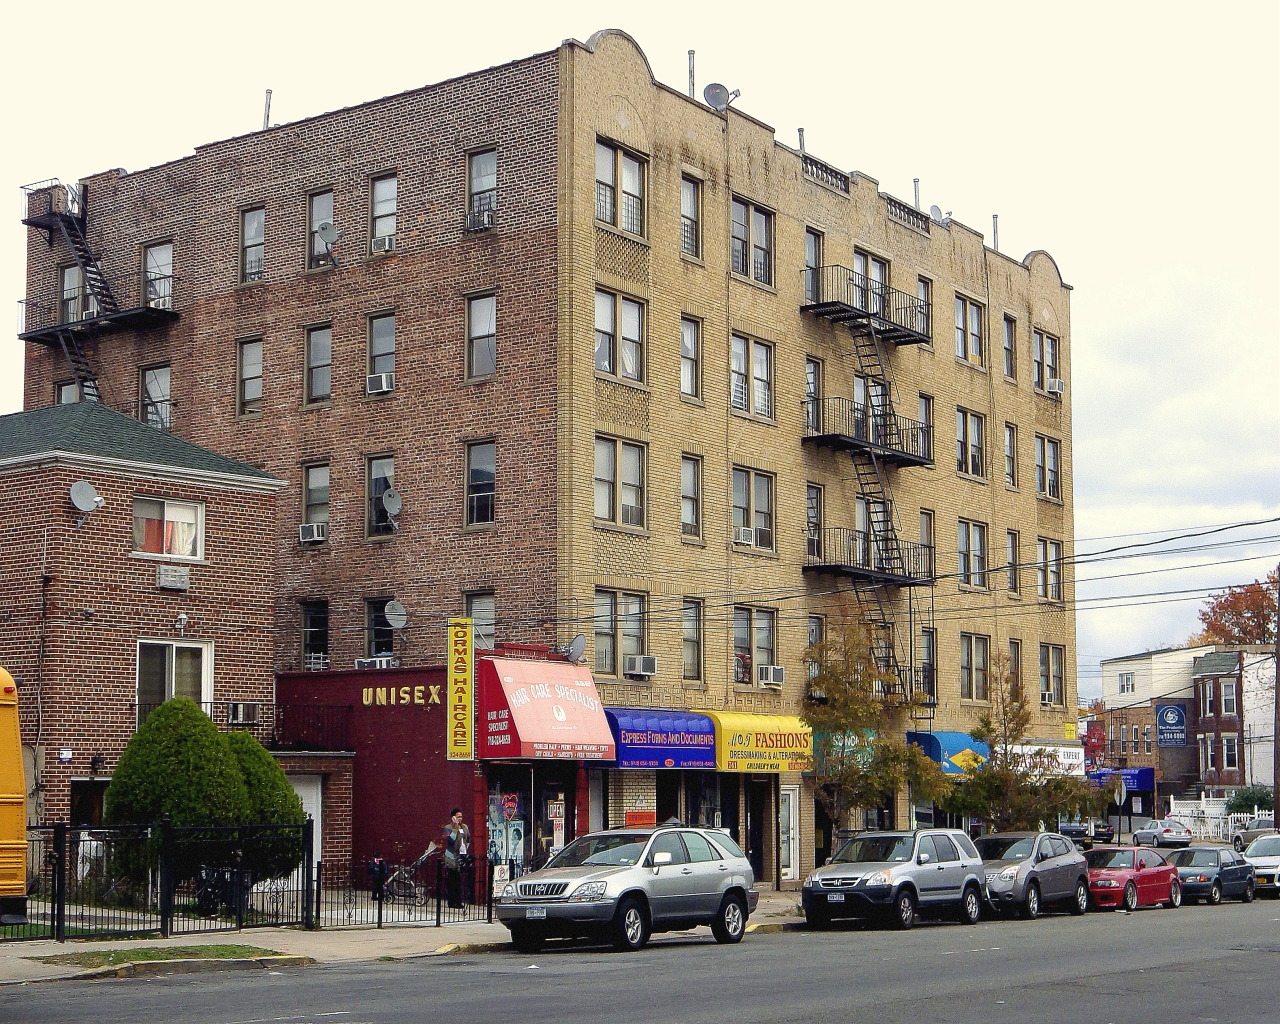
[625, 884]
[892, 875]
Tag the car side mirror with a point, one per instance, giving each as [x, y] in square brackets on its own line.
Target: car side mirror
[923, 859]
[826, 862]
[663, 857]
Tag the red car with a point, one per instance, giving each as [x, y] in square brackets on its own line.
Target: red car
[1131, 877]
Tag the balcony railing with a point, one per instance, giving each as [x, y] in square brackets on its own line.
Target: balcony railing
[825, 173]
[905, 214]
[864, 554]
[843, 296]
[148, 301]
[847, 425]
[280, 727]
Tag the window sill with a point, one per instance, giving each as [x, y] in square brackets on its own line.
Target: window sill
[607, 526]
[976, 367]
[1013, 595]
[375, 257]
[1012, 488]
[626, 382]
[613, 229]
[1055, 399]
[381, 538]
[742, 279]
[1048, 500]
[693, 685]
[972, 588]
[486, 378]
[744, 414]
[746, 549]
[324, 403]
[379, 396]
[693, 400]
[321, 269]
[156, 556]
[983, 702]
[248, 417]
[973, 479]
[693, 542]
[1011, 380]
[480, 528]
[244, 286]
[696, 261]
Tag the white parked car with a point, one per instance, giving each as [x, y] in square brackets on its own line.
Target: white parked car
[1264, 854]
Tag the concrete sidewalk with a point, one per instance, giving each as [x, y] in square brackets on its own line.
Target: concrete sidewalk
[18, 964]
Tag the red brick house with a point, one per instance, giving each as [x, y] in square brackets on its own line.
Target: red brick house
[1219, 719]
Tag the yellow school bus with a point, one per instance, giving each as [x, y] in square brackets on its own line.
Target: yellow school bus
[13, 810]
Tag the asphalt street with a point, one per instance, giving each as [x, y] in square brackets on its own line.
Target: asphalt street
[1192, 964]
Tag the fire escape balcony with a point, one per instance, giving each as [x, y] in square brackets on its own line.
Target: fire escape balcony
[879, 558]
[844, 297]
[844, 425]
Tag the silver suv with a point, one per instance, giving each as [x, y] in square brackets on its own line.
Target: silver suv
[891, 875]
[625, 884]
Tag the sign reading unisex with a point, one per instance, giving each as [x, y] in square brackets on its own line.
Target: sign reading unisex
[1171, 725]
[460, 744]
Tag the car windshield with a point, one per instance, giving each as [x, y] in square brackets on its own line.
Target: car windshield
[1266, 846]
[875, 850]
[1195, 858]
[1005, 847]
[1109, 858]
[612, 849]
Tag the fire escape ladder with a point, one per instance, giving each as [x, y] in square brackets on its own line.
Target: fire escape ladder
[85, 378]
[73, 231]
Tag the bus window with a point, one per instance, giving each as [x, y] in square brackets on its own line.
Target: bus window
[13, 809]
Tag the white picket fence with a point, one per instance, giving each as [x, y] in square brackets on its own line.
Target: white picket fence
[1207, 817]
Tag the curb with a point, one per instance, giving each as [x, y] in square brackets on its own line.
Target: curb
[146, 968]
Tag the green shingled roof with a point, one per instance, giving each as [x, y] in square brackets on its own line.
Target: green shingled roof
[91, 429]
[1219, 663]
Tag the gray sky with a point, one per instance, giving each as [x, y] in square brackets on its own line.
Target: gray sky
[1135, 142]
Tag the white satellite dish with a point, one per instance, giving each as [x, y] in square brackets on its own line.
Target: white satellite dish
[396, 615]
[716, 95]
[328, 232]
[392, 501]
[574, 651]
[85, 498]
[936, 213]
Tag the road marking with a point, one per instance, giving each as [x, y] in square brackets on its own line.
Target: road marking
[299, 1016]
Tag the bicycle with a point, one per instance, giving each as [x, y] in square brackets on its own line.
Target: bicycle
[402, 885]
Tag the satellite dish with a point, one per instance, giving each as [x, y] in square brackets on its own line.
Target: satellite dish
[327, 231]
[936, 213]
[392, 502]
[716, 95]
[85, 498]
[396, 615]
[574, 651]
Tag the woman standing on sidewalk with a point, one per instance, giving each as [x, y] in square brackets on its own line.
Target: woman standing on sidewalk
[457, 846]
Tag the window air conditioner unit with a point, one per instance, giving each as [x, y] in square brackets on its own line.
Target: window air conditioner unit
[744, 535]
[316, 663]
[1046, 699]
[313, 533]
[640, 665]
[481, 220]
[384, 243]
[242, 714]
[381, 661]
[1056, 386]
[770, 675]
[379, 383]
[632, 515]
[173, 577]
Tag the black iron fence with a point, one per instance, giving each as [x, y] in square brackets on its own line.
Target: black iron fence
[280, 726]
[869, 424]
[864, 297]
[422, 892]
[870, 552]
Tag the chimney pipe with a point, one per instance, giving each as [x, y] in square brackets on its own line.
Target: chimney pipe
[266, 112]
[691, 87]
[995, 231]
[916, 182]
[801, 131]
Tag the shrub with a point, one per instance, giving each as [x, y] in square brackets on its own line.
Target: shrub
[1243, 801]
[268, 852]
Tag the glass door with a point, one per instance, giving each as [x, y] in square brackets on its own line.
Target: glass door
[789, 831]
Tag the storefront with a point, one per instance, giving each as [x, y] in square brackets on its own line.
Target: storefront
[1135, 799]
[956, 753]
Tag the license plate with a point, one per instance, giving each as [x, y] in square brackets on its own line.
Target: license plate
[835, 897]
[1264, 879]
[535, 912]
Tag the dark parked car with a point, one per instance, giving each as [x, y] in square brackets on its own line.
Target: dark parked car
[1085, 832]
[1210, 872]
[1027, 871]
[1131, 877]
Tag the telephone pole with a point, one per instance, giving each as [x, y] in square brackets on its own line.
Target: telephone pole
[1275, 720]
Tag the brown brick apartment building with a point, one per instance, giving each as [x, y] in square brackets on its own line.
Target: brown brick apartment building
[631, 367]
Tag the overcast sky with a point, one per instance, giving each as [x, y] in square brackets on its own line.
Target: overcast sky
[1135, 142]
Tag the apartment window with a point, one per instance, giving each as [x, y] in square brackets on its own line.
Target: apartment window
[813, 404]
[753, 641]
[690, 496]
[1228, 697]
[751, 376]
[382, 344]
[817, 630]
[691, 640]
[481, 610]
[379, 637]
[315, 635]
[382, 212]
[929, 663]
[970, 442]
[1146, 738]
[968, 330]
[1010, 455]
[619, 188]
[168, 670]
[252, 243]
[753, 507]
[812, 266]
[1013, 560]
[250, 389]
[157, 275]
[751, 247]
[320, 208]
[690, 217]
[974, 651]
[1111, 737]
[1049, 569]
[813, 520]
[870, 282]
[619, 628]
[619, 336]
[66, 393]
[1125, 683]
[972, 547]
[1015, 666]
[1133, 740]
[924, 411]
[1010, 347]
[482, 336]
[1048, 475]
[482, 181]
[690, 357]
[78, 302]
[619, 482]
[924, 308]
[153, 396]
[1053, 659]
[482, 459]
[1230, 753]
[315, 493]
[926, 537]
[1206, 698]
[380, 475]
[319, 363]
[1206, 753]
[1044, 359]
[173, 528]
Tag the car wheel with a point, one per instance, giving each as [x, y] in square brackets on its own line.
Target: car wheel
[1215, 894]
[971, 906]
[526, 939]
[1130, 896]
[1250, 891]
[1080, 898]
[1175, 895]
[904, 910]
[815, 919]
[1031, 907]
[731, 920]
[630, 926]
[1238, 843]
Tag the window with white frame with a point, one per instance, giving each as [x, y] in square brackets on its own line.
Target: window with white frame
[619, 335]
[1230, 753]
[1207, 688]
[1048, 467]
[974, 659]
[691, 216]
[753, 508]
[969, 333]
[382, 212]
[1228, 697]
[690, 496]
[482, 336]
[1049, 569]
[619, 482]
[972, 553]
[1053, 660]
[1206, 753]
[971, 430]
[481, 609]
[172, 528]
[1133, 739]
[619, 629]
[690, 357]
[620, 188]
[751, 244]
[1125, 683]
[168, 669]
[1146, 738]
[751, 376]
[1044, 359]
[691, 640]
[753, 641]
[1010, 455]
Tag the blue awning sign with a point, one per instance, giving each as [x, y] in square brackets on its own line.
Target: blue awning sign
[956, 752]
[651, 738]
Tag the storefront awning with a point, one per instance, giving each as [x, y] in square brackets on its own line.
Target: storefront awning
[650, 738]
[957, 752]
[1136, 780]
[539, 709]
[1053, 758]
[761, 743]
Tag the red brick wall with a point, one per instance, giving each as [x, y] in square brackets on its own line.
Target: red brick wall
[336, 799]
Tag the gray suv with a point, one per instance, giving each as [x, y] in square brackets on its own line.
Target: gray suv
[892, 875]
[625, 884]
[1027, 871]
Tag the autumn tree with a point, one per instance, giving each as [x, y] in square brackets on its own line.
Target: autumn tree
[859, 713]
[1240, 615]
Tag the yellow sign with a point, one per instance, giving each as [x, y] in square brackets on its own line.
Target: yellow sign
[761, 743]
[1069, 731]
[460, 742]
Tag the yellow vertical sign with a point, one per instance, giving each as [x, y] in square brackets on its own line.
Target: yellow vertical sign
[460, 744]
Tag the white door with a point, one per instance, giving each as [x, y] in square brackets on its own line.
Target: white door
[789, 831]
[310, 790]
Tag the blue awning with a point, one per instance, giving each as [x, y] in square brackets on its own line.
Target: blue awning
[651, 738]
[1137, 780]
[957, 752]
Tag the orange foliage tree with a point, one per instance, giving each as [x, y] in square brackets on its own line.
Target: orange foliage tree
[1240, 615]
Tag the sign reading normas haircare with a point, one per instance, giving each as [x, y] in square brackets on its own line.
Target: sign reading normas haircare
[761, 743]
[460, 745]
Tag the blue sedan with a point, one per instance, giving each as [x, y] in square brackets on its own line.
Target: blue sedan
[1211, 873]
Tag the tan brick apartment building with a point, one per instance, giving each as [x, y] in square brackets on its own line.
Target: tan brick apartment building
[635, 368]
